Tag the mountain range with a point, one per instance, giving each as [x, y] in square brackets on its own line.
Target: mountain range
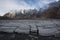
[52, 12]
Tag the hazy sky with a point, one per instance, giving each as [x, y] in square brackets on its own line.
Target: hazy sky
[7, 5]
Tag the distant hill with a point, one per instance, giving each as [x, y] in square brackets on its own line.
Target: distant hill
[53, 11]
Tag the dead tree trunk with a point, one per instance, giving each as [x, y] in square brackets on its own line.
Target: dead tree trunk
[30, 29]
[37, 30]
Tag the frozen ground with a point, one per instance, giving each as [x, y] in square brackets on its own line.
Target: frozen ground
[46, 27]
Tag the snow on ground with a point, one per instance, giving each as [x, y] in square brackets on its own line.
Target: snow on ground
[46, 27]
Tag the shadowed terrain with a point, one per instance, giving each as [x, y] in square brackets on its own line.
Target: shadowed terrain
[22, 36]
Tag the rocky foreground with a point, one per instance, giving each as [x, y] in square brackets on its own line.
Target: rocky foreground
[22, 36]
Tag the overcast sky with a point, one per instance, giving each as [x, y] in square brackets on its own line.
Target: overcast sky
[7, 5]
